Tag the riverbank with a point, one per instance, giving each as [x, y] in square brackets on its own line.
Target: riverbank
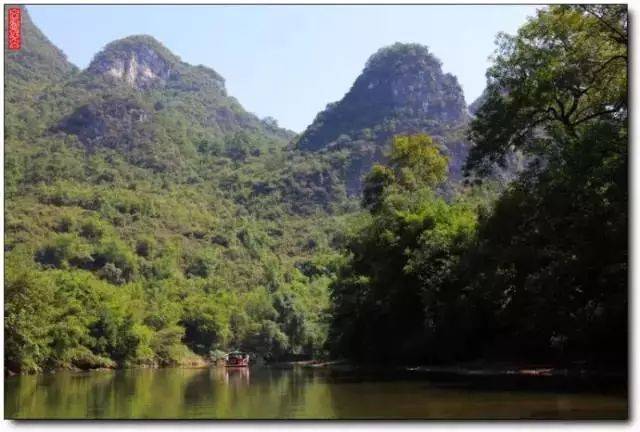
[191, 362]
[518, 370]
[564, 379]
[461, 368]
[342, 365]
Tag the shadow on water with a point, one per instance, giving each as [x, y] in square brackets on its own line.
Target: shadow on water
[558, 383]
[415, 394]
[267, 393]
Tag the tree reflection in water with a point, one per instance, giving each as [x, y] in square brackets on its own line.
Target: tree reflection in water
[264, 393]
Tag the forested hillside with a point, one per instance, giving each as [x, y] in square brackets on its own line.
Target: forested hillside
[150, 220]
[150, 217]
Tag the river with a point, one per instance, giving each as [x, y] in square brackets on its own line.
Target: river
[300, 393]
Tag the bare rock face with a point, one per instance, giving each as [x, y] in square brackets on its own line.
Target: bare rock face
[143, 63]
[141, 70]
[140, 61]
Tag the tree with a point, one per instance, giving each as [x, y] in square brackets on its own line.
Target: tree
[417, 161]
[375, 183]
[399, 258]
[28, 317]
[555, 247]
[562, 69]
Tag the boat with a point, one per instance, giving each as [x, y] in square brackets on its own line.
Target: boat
[237, 359]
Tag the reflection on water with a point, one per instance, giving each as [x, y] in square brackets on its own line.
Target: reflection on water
[262, 393]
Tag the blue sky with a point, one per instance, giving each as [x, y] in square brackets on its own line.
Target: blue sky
[288, 62]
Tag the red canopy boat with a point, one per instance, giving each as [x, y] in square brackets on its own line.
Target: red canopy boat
[237, 359]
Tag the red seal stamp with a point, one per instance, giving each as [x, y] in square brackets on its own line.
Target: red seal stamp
[14, 28]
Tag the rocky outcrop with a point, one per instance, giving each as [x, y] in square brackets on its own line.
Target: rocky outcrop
[107, 123]
[140, 61]
[140, 69]
[402, 90]
[143, 63]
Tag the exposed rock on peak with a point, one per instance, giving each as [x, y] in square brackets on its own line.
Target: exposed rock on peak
[140, 61]
[144, 63]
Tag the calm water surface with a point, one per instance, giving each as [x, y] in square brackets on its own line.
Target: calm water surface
[266, 393]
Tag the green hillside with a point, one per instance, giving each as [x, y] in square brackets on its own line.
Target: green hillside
[145, 223]
[150, 220]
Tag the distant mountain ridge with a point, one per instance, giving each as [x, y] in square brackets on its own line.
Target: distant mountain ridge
[137, 68]
[138, 98]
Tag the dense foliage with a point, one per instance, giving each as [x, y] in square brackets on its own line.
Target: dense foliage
[406, 246]
[539, 274]
[555, 249]
[150, 220]
[147, 224]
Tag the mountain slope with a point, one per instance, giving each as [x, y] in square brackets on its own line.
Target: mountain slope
[402, 90]
[30, 75]
[163, 220]
[160, 111]
[140, 221]
[37, 62]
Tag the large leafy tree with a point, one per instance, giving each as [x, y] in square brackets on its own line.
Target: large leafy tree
[400, 253]
[563, 69]
[555, 248]
[414, 162]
